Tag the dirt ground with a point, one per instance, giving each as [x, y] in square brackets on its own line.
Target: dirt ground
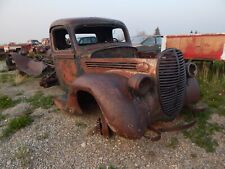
[57, 140]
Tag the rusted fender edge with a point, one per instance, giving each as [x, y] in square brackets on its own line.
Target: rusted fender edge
[119, 108]
[28, 65]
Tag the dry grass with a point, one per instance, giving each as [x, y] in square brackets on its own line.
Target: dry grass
[23, 154]
[20, 79]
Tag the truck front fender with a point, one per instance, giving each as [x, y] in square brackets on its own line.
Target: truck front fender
[120, 109]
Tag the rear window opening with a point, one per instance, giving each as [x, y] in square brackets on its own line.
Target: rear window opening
[86, 39]
[87, 35]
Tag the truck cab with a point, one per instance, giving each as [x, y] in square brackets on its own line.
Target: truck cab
[74, 40]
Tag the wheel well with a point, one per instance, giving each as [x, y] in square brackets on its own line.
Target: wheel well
[87, 102]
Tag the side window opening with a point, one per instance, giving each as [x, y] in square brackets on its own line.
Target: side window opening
[149, 41]
[159, 40]
[61, 39]
[118, 35]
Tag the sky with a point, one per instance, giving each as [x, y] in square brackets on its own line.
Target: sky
[21, 20]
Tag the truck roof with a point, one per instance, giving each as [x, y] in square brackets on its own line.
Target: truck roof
[85, 21]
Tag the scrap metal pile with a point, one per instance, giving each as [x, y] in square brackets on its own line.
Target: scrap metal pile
[39, 66]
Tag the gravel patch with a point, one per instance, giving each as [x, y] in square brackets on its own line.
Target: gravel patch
[54, 141]
[19, 109]
[57, 140]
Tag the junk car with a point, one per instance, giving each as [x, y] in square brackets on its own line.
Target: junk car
[150, 46]
[132, 92]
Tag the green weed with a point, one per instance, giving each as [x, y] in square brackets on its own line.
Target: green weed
[201, 134]
[16, 124]
[211, 78]
[80, 124]
[107, 167]
[221, 110]
[39, 100]
[172, 143]
[6, 102]
[2, 117]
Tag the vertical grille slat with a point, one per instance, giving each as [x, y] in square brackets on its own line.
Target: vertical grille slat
[172, 80]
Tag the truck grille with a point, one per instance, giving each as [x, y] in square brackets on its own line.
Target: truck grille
[112, 65]
[172, 80]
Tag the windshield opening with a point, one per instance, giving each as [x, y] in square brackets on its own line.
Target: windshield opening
[87, 35]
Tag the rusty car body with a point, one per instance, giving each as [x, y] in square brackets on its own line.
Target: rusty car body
[150, 46]
[131, 92]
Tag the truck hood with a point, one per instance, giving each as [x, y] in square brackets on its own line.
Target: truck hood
[108, 50]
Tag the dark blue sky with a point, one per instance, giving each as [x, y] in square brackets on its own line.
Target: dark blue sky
[30, 19]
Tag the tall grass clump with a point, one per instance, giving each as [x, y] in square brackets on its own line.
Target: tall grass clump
[211, 71]
[211, 78]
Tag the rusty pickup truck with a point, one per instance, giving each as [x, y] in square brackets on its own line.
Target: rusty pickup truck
[131, 92]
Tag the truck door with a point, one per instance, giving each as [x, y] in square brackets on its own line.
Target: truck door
[63, 56]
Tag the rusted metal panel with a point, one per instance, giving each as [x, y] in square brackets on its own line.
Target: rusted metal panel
[95, 65]
[49, 80]
[131, 122]
[86, 21]
[28, 65]
[65, 68]
[199, 46]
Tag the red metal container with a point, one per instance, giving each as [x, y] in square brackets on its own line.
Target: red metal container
[198, 46]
